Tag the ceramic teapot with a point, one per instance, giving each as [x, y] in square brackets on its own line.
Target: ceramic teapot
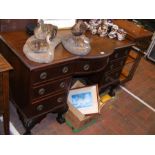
[113, 32]
[103, 30]
[121, 34]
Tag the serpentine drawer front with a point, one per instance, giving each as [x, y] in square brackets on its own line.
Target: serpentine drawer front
[86, 66]
[81, 66]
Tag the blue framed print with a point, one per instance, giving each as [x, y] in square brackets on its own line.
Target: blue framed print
[84, 99]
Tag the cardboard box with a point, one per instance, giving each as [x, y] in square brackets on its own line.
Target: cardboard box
[76, 123]
[76, 119]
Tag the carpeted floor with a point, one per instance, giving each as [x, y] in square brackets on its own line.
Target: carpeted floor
[121, 115]
[143, 82]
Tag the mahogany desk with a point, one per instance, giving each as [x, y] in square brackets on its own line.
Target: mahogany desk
[37, 89]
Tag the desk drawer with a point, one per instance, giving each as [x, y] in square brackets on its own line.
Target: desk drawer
[50, 87]
[110, 77]
[48, 104]
[52, 73]
[119, 63]
[86, 66]
[119, 53]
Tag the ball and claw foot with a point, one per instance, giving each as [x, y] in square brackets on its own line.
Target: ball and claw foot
[60, 119]
[28, 132]
[112, 93]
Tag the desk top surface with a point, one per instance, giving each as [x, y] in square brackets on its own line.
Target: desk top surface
[134, 30]
[16, 40]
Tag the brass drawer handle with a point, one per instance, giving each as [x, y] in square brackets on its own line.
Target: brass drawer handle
[65, 69]
[86, 67]
[116, 55]
[43, 75]
[41, 91]
[60, 99]
[62, 85]
[40, 107]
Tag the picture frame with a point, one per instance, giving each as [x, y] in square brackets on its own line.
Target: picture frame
[85, 99]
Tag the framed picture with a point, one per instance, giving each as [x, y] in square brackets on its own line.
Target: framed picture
[85, 99]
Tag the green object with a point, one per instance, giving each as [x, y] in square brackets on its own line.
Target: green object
[82, 128]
